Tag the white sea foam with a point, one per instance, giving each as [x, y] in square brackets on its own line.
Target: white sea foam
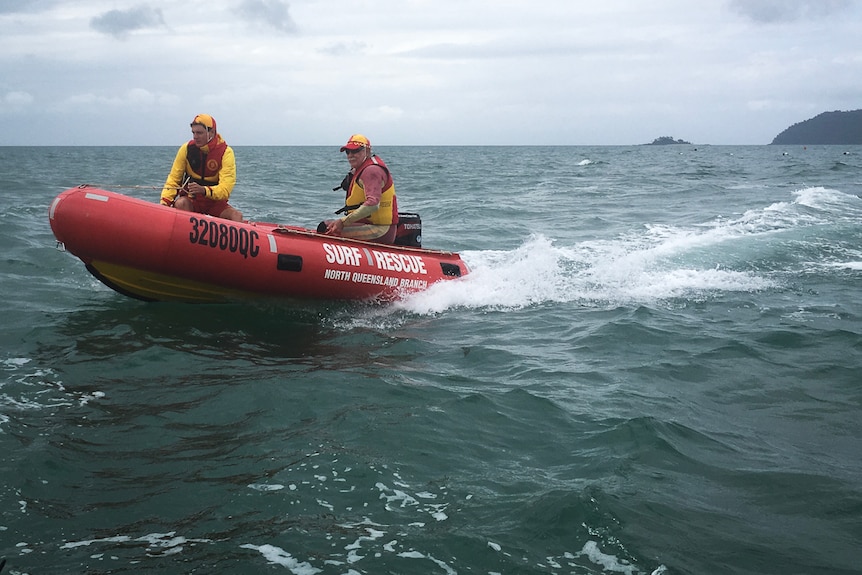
[15, 361]
[32, 388]
[856, 266]
[834, 202]
[279, 556]
[417, 555]
[266, 487]
[608, 562]
[657, 263]
[169, 543]
[616, 272]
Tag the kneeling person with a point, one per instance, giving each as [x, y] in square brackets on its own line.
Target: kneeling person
[203, 174]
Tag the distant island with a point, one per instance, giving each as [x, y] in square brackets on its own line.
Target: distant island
[666, 140]
[839, 128]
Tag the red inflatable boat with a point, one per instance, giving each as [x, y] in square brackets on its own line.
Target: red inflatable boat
[155, 253]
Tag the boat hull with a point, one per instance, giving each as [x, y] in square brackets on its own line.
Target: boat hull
[155, 253]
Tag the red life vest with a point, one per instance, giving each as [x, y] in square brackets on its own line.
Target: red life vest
[204, 164]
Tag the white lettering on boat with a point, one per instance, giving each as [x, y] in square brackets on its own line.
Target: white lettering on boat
[413, 284]
[387, 261]
[362, 278]
[374, 279]
[342, 255]
[400, 262]
[342, 275]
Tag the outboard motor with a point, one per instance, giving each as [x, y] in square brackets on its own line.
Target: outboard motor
[409, 230]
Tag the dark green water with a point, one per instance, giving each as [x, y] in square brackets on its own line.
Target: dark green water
[654, 368]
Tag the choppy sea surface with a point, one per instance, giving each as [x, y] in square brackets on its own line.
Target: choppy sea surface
[654, 367]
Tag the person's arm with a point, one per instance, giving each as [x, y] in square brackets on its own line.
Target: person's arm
[175, 178]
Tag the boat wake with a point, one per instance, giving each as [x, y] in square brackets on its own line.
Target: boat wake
[754, 251]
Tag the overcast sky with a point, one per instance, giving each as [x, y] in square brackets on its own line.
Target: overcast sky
[424, 72]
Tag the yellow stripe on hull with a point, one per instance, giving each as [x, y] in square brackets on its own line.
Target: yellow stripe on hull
[152, 286]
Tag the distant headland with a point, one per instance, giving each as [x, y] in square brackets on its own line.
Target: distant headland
[840, 128]
[666, 140]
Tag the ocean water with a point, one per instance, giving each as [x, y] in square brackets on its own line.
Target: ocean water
[655, 366]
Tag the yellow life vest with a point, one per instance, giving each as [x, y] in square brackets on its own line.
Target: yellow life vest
[387, 211]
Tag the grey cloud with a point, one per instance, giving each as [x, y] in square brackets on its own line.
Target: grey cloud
[13, 6]
[774, 11]
[341, 48]
[272, 13]
[119, 23]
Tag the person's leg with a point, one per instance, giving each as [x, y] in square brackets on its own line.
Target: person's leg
[231, 213]
[384, 234]
[184, 203]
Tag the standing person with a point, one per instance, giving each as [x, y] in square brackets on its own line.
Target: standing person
[371, 206]
[203, 174]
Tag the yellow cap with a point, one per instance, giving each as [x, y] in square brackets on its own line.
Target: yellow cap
[204, 120]
[355, 142]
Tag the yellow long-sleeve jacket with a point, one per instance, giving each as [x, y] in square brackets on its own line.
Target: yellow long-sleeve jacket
[212, 165]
